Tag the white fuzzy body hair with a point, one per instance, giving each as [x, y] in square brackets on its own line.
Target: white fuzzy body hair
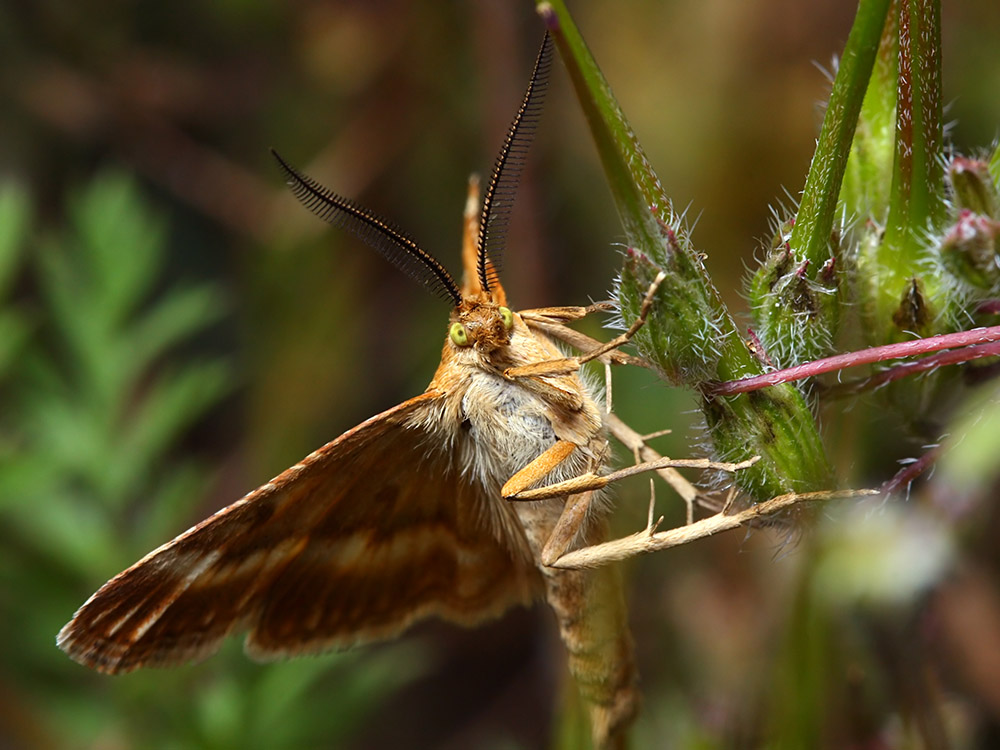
[505, 428]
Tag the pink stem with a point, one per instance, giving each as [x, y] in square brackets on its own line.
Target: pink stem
[967, 339]
[920, 365]
[911, 471]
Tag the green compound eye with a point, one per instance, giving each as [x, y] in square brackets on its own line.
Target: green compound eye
[459, 335]
[508, 317]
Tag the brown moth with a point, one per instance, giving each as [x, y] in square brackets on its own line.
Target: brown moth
[405, 516]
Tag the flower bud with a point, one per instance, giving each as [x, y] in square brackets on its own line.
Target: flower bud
[681, 333]
[969, 250]
[795, 309]
[973, 186]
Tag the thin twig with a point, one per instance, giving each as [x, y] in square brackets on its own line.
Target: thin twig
[642, 541]
[653, 435]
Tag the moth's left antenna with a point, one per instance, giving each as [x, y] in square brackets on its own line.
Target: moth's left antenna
[502, 189]
[390, 241]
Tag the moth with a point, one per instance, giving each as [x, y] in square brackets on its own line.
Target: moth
[407, 515]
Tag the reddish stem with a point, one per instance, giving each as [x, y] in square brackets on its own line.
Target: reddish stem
[911, 471]
[920, 365]
[968, 339]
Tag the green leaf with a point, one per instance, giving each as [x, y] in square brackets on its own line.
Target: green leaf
[171, 405]
[81, 331]
[14, 331]
[121, 243]
[94, 420]
[15, 219]
[74, 442]
[70, 532]
[181, 314]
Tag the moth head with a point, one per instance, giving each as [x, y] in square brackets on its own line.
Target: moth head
[481, 328]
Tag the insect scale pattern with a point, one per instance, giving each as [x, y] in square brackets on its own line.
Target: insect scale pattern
[407, 515]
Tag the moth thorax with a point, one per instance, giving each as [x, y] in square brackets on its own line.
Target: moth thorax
[506, 427]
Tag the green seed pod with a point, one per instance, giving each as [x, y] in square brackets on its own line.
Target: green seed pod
[973, 186]
[689, 343]
[776, 424]
[796, 312]
[899, 298]
[776, 264]
[969, 250]
[682, 329]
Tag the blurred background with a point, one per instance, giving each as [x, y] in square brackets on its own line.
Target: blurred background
[175, 329]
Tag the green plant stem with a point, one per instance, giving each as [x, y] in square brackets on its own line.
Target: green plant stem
[689, 333]
[814, 220]
[916, 200]
[918, 180]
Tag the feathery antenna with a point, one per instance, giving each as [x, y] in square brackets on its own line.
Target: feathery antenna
[394, 244]
[499, 199]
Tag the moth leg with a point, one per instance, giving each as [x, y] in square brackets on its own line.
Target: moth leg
[574, 511]
[573, 515]
[551, 321]
[642, 452]
[552, 368]
[582, 483]
[591, 481]
[569, 365]
[543, 379]
[580, 341]
[639, 322]
[565, 314]
[538, 468]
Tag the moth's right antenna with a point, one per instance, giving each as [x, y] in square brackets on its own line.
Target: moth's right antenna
[500, 194]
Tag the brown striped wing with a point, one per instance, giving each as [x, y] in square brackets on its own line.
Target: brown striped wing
[370, 533]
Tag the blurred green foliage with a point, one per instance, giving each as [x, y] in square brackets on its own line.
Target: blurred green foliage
[101, 385]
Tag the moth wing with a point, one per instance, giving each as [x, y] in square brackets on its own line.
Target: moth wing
[373, 531]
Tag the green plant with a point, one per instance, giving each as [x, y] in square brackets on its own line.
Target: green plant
[882, 249]
[895, 245]
[102, 378]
